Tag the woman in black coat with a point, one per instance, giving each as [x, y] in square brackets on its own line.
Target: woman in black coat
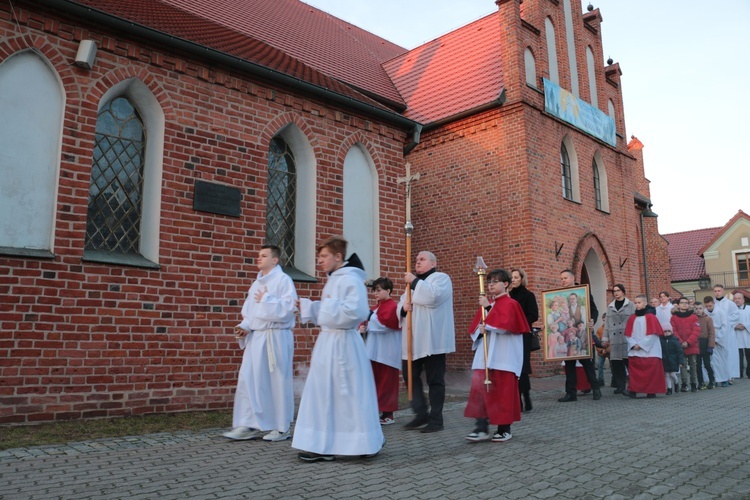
[523, 296]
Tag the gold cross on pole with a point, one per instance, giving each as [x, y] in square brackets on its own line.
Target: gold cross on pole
[408, 227]
[407, 179]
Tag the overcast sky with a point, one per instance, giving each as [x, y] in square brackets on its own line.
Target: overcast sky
[684, 81]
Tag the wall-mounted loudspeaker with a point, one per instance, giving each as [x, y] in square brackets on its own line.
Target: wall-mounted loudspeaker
[86, 54]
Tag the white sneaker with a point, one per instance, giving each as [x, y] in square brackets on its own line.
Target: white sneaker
[477, 436]
[501, 437]
[276, 436]
[242, 433]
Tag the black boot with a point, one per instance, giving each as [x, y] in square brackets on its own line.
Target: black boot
[527, 402]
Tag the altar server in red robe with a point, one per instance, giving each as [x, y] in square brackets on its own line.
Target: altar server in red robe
[645, 367]
[504, 326]
[383, 346]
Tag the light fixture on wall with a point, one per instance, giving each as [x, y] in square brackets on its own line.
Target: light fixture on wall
[86, 54]
[704, 282]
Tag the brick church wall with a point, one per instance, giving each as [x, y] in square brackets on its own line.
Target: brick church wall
[83, 339]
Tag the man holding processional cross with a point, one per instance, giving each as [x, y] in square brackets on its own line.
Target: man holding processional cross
[430, 332]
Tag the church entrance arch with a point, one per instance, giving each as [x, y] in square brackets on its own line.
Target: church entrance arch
[593, 273]
[594, 270]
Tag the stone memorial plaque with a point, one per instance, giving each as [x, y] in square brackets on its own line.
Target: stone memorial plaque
[216, 198]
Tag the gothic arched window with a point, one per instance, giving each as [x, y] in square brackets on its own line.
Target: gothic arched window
[116, 190]
[567, 180]
[281, 203]
[597, 186]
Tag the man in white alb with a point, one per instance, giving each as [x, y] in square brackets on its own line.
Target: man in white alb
[264, 399]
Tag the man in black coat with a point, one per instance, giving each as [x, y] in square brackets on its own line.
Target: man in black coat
[567, 279]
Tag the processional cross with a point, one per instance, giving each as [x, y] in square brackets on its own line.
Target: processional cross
[408, 228]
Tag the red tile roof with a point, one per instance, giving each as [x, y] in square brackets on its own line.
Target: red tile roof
[739, 215]
[456, 72]
[684, 253]
[286, 35]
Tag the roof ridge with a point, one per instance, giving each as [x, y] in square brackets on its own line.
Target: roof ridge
[692, 231]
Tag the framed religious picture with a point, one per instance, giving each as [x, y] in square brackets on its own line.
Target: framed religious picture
[566, 333]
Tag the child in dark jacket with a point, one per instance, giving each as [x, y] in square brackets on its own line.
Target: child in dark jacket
[672, 356]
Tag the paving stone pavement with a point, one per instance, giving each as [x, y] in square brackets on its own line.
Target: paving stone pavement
[689, 445]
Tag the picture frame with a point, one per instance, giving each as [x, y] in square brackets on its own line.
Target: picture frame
[566, 334]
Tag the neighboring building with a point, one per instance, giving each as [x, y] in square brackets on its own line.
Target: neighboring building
[714, 256]
[688, 268]
[141, 178]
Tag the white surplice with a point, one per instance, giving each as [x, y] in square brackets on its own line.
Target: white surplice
[433, 328]
[650, 345]
[720, 356]
[264, 398]
[743, 336]
[338, 413]
[383, 344]
[731, 318]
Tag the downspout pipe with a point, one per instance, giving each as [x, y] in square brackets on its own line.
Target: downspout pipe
[103, 19]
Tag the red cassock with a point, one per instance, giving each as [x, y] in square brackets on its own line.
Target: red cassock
[387, 378]
[501, 404]
[646, 373]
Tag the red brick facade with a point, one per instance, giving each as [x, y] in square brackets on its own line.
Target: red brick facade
[491, 183]
[83, 339]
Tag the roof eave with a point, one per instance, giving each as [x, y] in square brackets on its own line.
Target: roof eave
[499, 101]
[101, 18]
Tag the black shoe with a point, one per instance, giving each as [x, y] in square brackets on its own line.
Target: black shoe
[314, 457]
[566, 398]
[416, 423]
[612, 384]
[431, 428]
[629, 394]
[677, 388]
[683, 388]
[693, 388]
[619, 391]
[601, 382]
[527, 403]
[669, 392]
[597, 394]
[586, 391]
[650, 396]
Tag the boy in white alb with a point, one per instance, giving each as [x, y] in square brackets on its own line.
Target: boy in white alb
[338, 412]
[264, 399]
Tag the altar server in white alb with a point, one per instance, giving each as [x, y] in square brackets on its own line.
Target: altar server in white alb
[731, 317]
[264, 399]
[433, 337]
[720, 356]
[338, 413]
[743, 334]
